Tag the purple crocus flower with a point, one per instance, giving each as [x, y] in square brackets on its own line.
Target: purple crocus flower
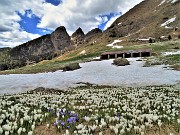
[59, 121]
[72, 120]
[62, 113]
[68, 126]
[62, 123]
[55, 124]
[73, 115]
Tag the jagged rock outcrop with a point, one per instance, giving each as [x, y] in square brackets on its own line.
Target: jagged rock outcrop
[93, 34]
[78, 37]
[60, 38]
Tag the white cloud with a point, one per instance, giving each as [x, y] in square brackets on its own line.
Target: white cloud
[108, 24]
[70, 13]
[82, 13]
[10, 31]
[16, 37]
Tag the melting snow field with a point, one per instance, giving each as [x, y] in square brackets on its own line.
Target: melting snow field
[96, 72]
[168, 21]
[113, 45]
[171, 53]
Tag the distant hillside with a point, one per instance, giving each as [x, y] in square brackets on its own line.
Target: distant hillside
[150, 18]
[157, 20]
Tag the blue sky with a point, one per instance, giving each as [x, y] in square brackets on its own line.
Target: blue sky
[54, 2]
[29, 23]
[22, 21]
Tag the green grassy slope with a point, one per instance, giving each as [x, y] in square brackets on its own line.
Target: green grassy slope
[95, 50]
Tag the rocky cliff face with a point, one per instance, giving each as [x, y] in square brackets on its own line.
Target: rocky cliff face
[78, 37]
[60, 39]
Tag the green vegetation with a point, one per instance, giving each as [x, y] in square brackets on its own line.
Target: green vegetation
[95, 50]
[173, 60]
[49, 66]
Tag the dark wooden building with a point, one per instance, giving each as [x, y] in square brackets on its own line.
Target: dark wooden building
[127, 54]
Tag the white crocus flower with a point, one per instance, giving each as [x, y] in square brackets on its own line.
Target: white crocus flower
[7, 133]
[80, 126]
[6, 127]
[48, 125]
[33, 127]
[178, 121]
[30, 133]
[1, 130]
[19, 131]
[67, 132]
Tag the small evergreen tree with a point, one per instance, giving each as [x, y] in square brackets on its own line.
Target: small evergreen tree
[169, 37]
[150, 40]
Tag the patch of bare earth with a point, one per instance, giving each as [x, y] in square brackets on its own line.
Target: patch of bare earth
[165, 130]
[43, 130]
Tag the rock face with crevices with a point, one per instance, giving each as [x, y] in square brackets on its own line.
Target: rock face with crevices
[78, 37]
[60, 38]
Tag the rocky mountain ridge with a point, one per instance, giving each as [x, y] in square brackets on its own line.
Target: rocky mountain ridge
[46, 47]
[149, 19]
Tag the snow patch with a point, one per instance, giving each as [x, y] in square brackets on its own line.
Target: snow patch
[168, 21]
[119, 23]
[171, 53]
[114, 44]
[174, 1]
[143, 39]
[96, 58]
[162, 37]
[162, 3]
[83, 52]
[118, 47]
[168, 27]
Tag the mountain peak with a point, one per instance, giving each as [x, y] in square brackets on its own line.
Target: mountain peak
[78, 32]
[61, 28]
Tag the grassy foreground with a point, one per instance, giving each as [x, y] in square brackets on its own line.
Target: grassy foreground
[92, 110]
[94, 51]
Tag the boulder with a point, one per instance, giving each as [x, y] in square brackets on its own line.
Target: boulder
[71, 67]
[121, 62]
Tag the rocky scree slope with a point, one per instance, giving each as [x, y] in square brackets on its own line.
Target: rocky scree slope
[150, 18]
